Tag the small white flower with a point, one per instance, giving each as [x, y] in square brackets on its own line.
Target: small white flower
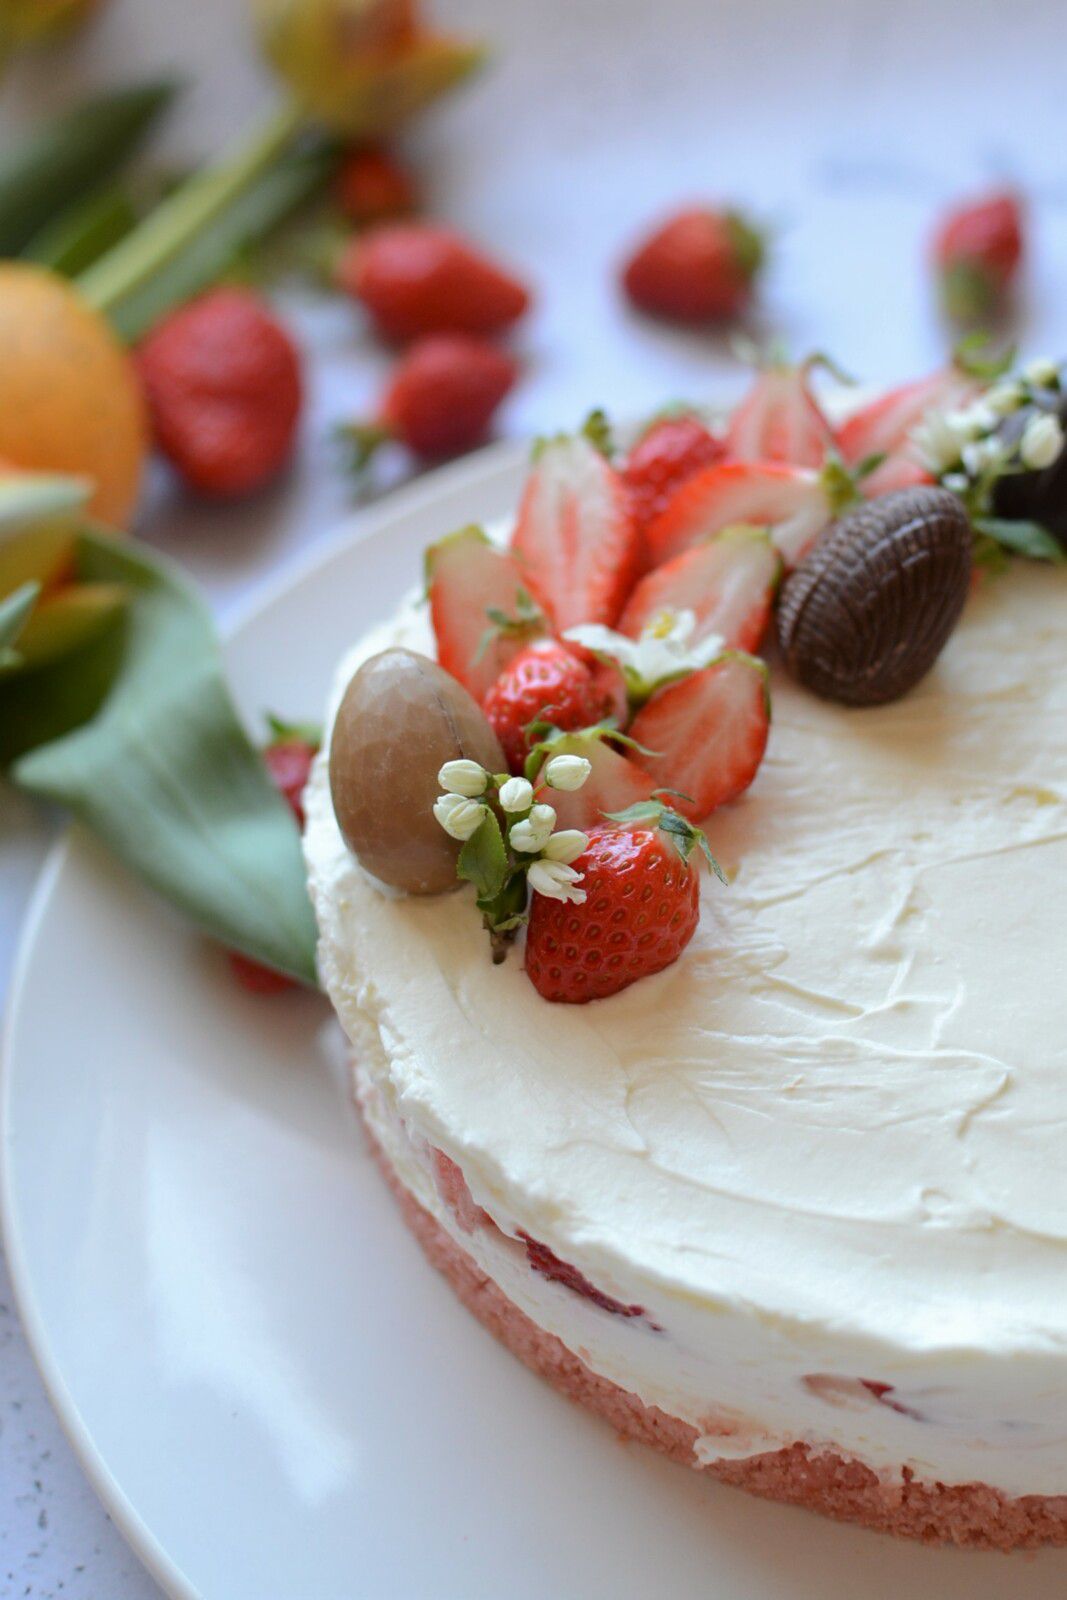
[980, 454]
[567, 772]
[463, 777]
[958, 482]
[1042, 442]
[662, 653]
[1004, 398]
[972, 421]
[1042, 372]
[557, 880]
[566, 845]
[458, 815]
[533, 832]
[516, 795]
[937, 442]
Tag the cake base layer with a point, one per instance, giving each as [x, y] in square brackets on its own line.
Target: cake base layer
[973, 1515]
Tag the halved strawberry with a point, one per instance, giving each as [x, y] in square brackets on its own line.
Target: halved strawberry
[728, 582]
[615, 782]
[710, 731]
[576, 532]
[793, 502]
[483, 608]
[780, 420]
[884, 428]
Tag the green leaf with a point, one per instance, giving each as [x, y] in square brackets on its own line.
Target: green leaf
[80, 234]
[1023, 538]
[162, 770]
[597, 429]
[483, 859]
[27, 498]
[211, 245]
[684, 835]
[969, 357]
[283, 732]
[71, 152]
[14, 612]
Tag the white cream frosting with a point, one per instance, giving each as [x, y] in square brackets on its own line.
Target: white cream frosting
[829, 1142]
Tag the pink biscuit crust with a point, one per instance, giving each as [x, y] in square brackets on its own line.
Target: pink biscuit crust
[973, 1514]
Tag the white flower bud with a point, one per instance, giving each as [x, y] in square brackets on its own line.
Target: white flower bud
[533, 832]
[567, 845]
[556, 880]
[972, 421]
[937, 442]
[567, 772]
[1042, 441]
[459, 815]
[958, 482]
[1043, 373]
[1004, 398]
[463, 777]
[981, 453]
[516, 795]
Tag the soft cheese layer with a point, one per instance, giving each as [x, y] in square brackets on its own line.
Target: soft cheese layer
[828, 1143]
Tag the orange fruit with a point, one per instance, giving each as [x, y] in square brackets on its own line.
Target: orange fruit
[70, 397]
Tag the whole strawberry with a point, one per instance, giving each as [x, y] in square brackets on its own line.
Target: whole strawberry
[222, 379]
[414, 278]
[698, 266]
[441, 397]
[288, 759]
[371, 186]
[640, 909]
[977, 253]
[670, 450]
[547, 681]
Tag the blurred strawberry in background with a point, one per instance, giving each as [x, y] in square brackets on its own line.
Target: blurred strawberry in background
[978, 251]
[223, 383]
[700, 265]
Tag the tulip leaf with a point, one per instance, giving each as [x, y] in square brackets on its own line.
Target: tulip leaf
[14, 613]
[42, 175]
[161, 769]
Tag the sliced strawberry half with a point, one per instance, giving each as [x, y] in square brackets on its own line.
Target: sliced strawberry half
[710, 731]
[793, 502]
[780, 420]
[615, 782]
[884, 427]
[483, 608]
[728, 583]
[576, 533]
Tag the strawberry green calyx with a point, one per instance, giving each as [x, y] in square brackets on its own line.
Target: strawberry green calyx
[685, 836]
[596, 429]
[527, 621]
[749, 243]
[362, 441]
[974, 358]
[283, 732]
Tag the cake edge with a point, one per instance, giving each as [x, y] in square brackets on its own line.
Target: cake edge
[974, 1516]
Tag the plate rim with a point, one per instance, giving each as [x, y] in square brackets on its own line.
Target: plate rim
[360, 525]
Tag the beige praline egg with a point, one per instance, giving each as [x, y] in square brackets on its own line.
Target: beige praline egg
[400, 719]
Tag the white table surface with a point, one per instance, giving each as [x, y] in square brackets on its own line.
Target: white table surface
[844, 122]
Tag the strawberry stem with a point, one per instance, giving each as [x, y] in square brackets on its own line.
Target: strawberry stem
[186, 213]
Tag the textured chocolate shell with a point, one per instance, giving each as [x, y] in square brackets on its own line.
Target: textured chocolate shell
[400, 719]
[868, 612]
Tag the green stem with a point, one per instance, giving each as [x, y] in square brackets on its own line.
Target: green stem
[169, 228]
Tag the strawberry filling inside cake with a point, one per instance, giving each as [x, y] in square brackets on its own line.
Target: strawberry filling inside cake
[780, 1191]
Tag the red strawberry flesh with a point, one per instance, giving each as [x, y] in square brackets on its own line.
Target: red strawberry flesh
[468, 577]
[576, 533]
[728, 582]
[710, 732]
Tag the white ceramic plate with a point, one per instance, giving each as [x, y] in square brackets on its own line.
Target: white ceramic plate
[274, 1395]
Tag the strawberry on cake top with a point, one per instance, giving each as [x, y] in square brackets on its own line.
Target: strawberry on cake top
[765, 1170]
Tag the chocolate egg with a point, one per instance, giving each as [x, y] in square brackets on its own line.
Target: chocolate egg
[400, 719]
[867, 613]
